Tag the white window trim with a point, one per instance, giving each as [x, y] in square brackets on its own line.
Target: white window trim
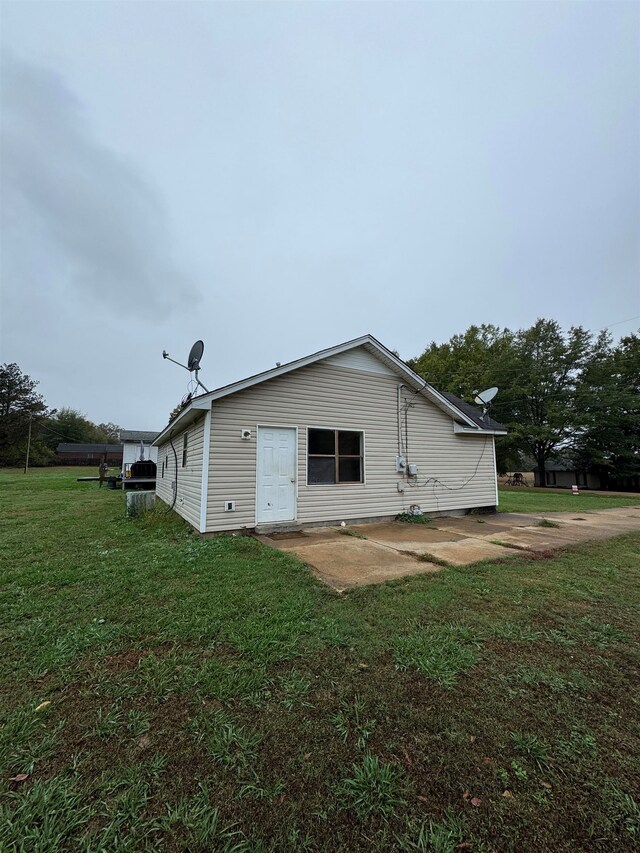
[340, 485]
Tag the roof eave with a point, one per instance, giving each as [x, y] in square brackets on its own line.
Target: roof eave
[204, 400]
[183, 418]
[461, 430]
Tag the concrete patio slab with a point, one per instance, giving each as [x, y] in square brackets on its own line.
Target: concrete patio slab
[482, 525]
[466, 551]
[392, 549]
[406, 537]
[346, 561]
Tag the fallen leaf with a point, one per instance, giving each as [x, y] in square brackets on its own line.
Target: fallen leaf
[472, 738]
[466, 795]
[43, 705]
[486, 759]
[546, 785]
[466, 845]
[363, 665]
[475, 802]
[507, 794]
[19, 778]
[307, 755]
[144, 741]
[423, 799]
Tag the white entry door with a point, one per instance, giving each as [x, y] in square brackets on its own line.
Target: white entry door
[276, 474]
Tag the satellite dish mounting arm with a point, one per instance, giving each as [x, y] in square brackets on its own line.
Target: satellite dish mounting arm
[196, 365]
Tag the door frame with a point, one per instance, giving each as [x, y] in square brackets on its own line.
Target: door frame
[294, 427]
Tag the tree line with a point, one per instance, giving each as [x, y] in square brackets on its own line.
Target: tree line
[569, 395]
[22, 406]
[572, 395]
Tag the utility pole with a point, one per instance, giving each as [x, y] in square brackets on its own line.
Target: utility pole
[26, 462]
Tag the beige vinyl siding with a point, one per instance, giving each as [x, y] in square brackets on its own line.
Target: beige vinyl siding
[327, 395]
[189, 478]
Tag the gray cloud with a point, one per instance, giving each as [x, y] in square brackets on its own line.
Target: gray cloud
[98, 225]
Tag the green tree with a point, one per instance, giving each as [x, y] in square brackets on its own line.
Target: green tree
[547, 417]
[175, 412]
[71, 426]
[110, 431]
[609, 397]
[19, 404]
[538, 371]
[480, 358]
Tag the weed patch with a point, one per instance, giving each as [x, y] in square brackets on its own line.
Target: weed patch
[410, 518]
[438, 652]
[374, 789]
[352, 723]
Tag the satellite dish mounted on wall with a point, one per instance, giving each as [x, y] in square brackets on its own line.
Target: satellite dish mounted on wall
[483, 398]
[193, 362]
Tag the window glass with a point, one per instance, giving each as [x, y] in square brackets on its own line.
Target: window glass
[335, 456]
[184, 450]
[322, 469]
[349, 443]
[349, 469]
[322, 441]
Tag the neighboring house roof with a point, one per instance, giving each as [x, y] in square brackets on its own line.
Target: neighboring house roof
[138, 435]
[474, 413]
[373, 346]
[88, 448]
[560, 466]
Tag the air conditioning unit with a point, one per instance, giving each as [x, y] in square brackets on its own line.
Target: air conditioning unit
[137, 503]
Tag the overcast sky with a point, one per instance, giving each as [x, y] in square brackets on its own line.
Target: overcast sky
[276, 178]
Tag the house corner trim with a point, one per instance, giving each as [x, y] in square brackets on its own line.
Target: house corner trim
[204, 485]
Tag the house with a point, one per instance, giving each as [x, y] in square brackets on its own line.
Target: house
[564, 475]
[133, 443]
[89, 454]
[346, 434]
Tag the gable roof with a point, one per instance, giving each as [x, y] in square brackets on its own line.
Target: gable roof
[138, 435]
[203, 401]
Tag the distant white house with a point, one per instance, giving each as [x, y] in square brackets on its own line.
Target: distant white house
[135, 444]
[348, 433]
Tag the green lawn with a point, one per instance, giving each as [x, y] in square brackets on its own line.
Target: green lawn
[211, 695]
[539, 500]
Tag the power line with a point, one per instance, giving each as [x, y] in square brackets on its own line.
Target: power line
[619, 322]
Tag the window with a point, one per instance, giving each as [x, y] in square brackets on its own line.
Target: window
[162, 474]
[184, 449]
[334, 456]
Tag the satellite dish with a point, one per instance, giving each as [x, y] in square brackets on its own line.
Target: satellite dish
[193, 365]
[195, 355]
[485, 397]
